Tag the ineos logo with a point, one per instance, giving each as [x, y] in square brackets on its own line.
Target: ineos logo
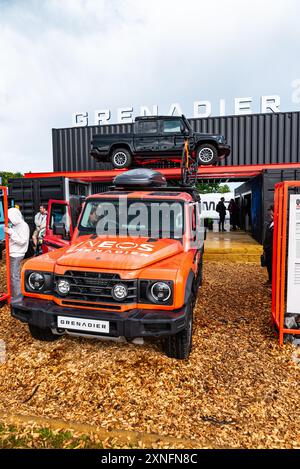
[126, 245]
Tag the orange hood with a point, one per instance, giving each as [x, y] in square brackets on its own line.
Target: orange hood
[118, 253]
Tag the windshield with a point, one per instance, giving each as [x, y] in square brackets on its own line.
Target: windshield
[132, 217]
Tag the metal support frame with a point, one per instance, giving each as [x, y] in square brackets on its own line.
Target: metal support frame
[204, 172]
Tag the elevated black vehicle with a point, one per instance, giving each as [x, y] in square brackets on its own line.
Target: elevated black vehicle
[157, 139]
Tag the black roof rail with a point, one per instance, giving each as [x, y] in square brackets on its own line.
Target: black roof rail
[141, 118]
[180, 188]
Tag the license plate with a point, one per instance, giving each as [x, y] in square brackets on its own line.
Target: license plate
[81, 324]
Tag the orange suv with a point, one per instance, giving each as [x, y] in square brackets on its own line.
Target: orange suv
[131, 269]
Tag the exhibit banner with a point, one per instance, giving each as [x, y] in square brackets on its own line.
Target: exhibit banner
[209, 204]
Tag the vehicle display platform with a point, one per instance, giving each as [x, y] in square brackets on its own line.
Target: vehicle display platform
[231, 246]
[242, 172]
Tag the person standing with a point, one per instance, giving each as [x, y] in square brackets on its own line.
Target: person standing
[221, 209]
[40, 223]
[18, 244]
[79, 208]
[233, 210]
[268, 245]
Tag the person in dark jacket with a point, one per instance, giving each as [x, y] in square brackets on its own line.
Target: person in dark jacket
[221, 209]
[268, 245]
[233, 210]
[79, 208]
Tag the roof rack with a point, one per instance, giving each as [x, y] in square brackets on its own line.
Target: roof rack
[180, 188]
[142, 179]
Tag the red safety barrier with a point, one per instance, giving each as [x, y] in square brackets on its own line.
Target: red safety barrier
[279, 276]
[5, 296]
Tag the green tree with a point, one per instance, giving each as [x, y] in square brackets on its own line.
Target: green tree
[224, 189]
[5, 175]
[212, 187]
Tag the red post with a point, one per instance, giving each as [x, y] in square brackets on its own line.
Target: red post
[278, 249]
[280, 256]
[5, 210]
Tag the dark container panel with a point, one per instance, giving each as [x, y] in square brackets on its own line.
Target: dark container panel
[254, 139]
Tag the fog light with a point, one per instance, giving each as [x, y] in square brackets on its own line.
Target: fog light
[63, 287]
[36, 281]
[161, 291]
[119, 292]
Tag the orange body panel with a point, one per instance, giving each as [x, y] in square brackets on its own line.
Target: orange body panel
[131, 258]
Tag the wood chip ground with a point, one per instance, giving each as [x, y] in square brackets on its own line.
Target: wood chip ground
[239, 389]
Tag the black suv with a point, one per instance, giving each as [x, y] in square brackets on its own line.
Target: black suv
[158, 139]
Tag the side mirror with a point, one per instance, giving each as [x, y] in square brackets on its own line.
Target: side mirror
[59, 229]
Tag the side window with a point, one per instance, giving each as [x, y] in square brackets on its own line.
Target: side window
[172, 126]
[194, 219]
[147, 127]
[60, 214]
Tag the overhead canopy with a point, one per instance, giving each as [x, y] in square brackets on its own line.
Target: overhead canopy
[239, 173]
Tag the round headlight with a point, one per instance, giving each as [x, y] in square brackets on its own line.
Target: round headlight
[36, 281]
[119, 292]
[63, 287]
[161, 291]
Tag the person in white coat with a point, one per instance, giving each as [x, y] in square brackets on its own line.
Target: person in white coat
[18, 244]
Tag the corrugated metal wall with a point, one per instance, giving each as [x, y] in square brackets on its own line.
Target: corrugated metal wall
[30, 193]
[262, 190]
[71, 147]
[254, 139]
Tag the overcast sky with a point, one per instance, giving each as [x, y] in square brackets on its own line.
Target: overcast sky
[61, 56]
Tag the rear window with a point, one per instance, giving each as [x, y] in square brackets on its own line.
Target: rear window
[147, 127]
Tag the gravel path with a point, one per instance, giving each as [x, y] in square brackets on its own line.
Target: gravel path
[238, 389]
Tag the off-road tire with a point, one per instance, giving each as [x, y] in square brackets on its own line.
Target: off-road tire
[46, 335]
[206, 155]
[179, 345]
[121, 158]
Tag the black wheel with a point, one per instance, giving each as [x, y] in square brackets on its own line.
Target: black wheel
[206, 154]
[121, 158]
[45, 335]
[179, 345]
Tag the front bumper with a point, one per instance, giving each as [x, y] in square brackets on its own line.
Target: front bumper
[223, 150]
[129, 324]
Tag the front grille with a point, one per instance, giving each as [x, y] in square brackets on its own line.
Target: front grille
[95, 287]
[115, 307]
